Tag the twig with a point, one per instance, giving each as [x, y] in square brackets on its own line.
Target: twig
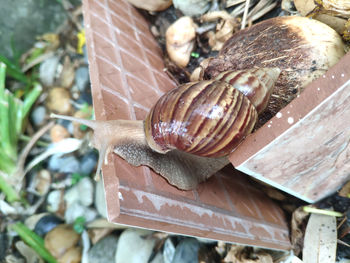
[342, 243]
[19, 174]
[309, 209]
[245, 14]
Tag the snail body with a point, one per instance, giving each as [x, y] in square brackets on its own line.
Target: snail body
[207, 118]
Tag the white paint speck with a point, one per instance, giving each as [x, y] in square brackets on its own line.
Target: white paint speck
[342, 75]
[333, 77]
[268, 126]
[279, 115]
[87, 25]
[324, 76]
[318, 89]
[120, 196]
[298, 96]
[290, 120]
[270, 121]
[288, 112]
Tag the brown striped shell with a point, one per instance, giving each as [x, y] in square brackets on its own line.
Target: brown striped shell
[210, 117]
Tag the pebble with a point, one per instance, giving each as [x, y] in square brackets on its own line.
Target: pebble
[85, 97]
[46, 223]
[58, 100]
[192, 7]
[73, 255]
[88, 163]
[54, 201]
[76, 210]
[58, 133]
[168, 251]
[82, 78]
[64, 164]
[187, 251]
[100, 200]
[27, 252]
[60, 239]
[38, 115]
[47, 70]
[104, 250]
[140, 250]
[82, 192]
[42, 181]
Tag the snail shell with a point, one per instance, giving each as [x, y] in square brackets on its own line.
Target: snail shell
[210, 117]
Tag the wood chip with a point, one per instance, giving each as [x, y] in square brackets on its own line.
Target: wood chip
[320, 241]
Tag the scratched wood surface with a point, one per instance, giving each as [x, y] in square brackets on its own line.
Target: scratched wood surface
[304, 150]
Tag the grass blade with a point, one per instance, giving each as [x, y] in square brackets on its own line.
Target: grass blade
[31, 98]
[34, 241]
[7, 189]
[4, 116]
[7, 165]
[14, 71]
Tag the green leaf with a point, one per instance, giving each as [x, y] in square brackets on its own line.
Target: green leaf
[13, 70]
[79, 223]
[34, 241]
[4, 116]
[30, 98]
[7, 189]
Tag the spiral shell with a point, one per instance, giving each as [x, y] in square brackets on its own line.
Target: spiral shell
[206, 118]
[256, 84]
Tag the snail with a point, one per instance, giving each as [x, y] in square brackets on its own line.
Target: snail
[190, 130]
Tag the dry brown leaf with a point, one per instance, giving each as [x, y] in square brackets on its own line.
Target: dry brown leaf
[345, 190]
[241, 254]
[298, 228]
[68, 73]
[320, 242]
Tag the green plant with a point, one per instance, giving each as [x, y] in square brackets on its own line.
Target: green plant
[13, 113]
[34, 241]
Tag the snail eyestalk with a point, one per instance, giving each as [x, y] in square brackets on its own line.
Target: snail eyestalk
[110, 134]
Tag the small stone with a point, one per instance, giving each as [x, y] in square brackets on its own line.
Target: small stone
[47, 70]
[46, 224]
[64, 164]
[58, 100]
[100, 200]
[76, 210]
[192, 7]
[72, 255]
[54, 200]
[88, 163]
[104, 250]
[60, 239]
[82, 192]
[187, 251]
[38, 115]
[82, 78]
[58, 133]
[85, 97]
[42, 181]
[168, 251]
[140, 250]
